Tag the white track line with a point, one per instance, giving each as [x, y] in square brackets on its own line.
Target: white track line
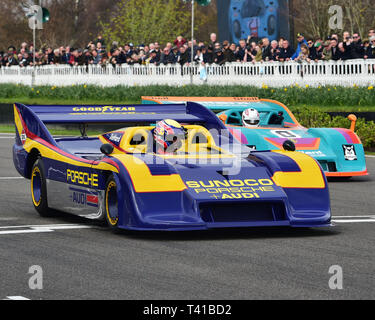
[11, 178]
[354, 219]
[19, 298]
[40, 229]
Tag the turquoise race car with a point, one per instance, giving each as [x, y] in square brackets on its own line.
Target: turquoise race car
[339, 151]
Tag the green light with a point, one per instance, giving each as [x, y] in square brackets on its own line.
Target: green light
[46, 15]
[203, 2]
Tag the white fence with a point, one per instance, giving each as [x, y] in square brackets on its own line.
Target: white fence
[272, 74]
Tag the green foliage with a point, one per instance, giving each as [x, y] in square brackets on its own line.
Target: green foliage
[145, 21]
[308, 116]
[330, 97]
[315, 118]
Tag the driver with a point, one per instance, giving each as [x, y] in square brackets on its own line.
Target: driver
[169, 136]
[250, 118]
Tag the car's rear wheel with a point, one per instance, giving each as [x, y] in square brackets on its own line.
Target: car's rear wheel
[111, 203]
[39, 189]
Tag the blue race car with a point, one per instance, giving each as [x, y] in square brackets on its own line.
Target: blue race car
[257, 18]
[119, 177]
[339, 151]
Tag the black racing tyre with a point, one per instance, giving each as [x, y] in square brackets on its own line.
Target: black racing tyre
[39, 189]
[111, 203]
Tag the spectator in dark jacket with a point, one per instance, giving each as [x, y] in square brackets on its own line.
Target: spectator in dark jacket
[355, 47]
[266, 50]
[312, 50]
[343, 52]
[27, 60]
[219, 57]
[183, 57]
[286, 52]
[335, 50]
[275, 51]
[12, 59]
[243, 53]
[372, 48]
[229, 54]
[167, 57]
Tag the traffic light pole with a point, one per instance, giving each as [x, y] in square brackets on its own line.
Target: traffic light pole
[192, 43]
[34, 60]
[34, 51]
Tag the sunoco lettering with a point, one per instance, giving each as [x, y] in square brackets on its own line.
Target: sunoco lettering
[230, 183]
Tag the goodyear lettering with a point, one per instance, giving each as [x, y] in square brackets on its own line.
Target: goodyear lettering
[82, 178]
[103, 109]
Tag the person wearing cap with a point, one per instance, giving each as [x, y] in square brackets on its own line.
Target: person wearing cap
[152, 57]
[301, 41]
[219, 56]
[317, 53]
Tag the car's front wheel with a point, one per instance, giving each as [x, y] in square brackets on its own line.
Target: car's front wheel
[39, 189]
[111, 203]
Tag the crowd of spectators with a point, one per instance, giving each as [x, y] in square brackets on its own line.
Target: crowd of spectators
[248, 50]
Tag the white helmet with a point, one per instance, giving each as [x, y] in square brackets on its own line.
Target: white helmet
[251, 118]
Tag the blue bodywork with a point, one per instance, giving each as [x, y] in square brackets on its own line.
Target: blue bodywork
[257, 18]
[239, 189]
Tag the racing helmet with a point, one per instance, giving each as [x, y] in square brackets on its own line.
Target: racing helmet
[169, 136]
[250, 118]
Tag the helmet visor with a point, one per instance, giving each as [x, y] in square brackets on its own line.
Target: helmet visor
[252, 122]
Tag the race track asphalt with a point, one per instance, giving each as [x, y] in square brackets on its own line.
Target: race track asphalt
[95, 263]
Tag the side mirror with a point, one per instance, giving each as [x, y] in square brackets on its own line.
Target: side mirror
[107, 149]
[289, 146]
[353, 119]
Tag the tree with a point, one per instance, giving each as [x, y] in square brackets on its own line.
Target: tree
[72, 22]
[144, 21]
[312, 16]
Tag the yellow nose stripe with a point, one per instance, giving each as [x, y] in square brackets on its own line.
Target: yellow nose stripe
[310, 175]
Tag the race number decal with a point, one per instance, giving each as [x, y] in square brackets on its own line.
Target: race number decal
[287, 134]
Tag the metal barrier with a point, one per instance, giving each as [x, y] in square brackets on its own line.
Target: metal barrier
[272, 74]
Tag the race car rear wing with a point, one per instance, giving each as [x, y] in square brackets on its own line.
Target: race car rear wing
[217, 104]
[35, 118]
